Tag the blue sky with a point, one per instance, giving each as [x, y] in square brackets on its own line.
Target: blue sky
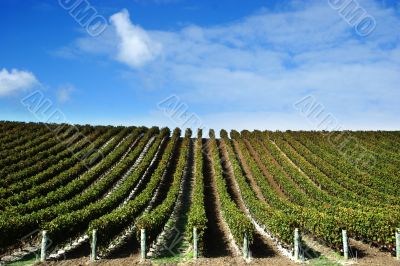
[230, 64]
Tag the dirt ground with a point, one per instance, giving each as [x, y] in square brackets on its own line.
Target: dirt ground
[366, 255]
[274, 261]
[202, 261]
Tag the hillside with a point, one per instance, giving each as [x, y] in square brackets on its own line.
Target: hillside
[254, 187]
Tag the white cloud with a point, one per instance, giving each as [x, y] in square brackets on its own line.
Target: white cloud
[271, 59]
[64, 93]
[265, 62]
[135, 47]
[16, 80]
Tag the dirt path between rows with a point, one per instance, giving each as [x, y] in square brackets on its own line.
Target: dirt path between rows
[174, 238]
[364, 254]
[216, 241]
[135, 260]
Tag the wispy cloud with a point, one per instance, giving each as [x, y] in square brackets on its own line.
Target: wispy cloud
[268, 60]
[16, 80]
[64, 93]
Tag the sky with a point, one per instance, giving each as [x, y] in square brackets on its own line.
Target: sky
[312, 65]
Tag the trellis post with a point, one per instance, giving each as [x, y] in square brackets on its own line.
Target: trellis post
[43, 246]
[398, 243]
[296, 244]
[345, 245]
[143, 244]
[94, 241]
[195, 247]
[246, 251]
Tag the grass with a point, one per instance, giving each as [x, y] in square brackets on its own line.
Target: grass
[173, 259]
[177, 257]
[24, 262]
[322, 261]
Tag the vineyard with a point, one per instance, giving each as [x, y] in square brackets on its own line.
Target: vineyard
[81, 193]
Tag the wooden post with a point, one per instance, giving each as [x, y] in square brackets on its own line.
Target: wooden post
[398, 243]
[143, 243]
[43, 247]
[296, 244]
[246, 253]
[94, 240]
[345, 245]
[195, 247]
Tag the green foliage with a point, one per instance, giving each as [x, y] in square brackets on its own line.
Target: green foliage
[40, 171]
[237, 221]
[115, 221]
[14, 225]
[337, 212]
[280, 224]
[325, 149]
[13, 151]
[197, 214]
[72, 167]
[78, 221]
[323, 188]
[153, 220]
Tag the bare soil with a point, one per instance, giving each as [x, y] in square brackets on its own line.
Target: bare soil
[174, 234]
[230, 176]
[135, 260]
[364, 254]
[216, 242]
